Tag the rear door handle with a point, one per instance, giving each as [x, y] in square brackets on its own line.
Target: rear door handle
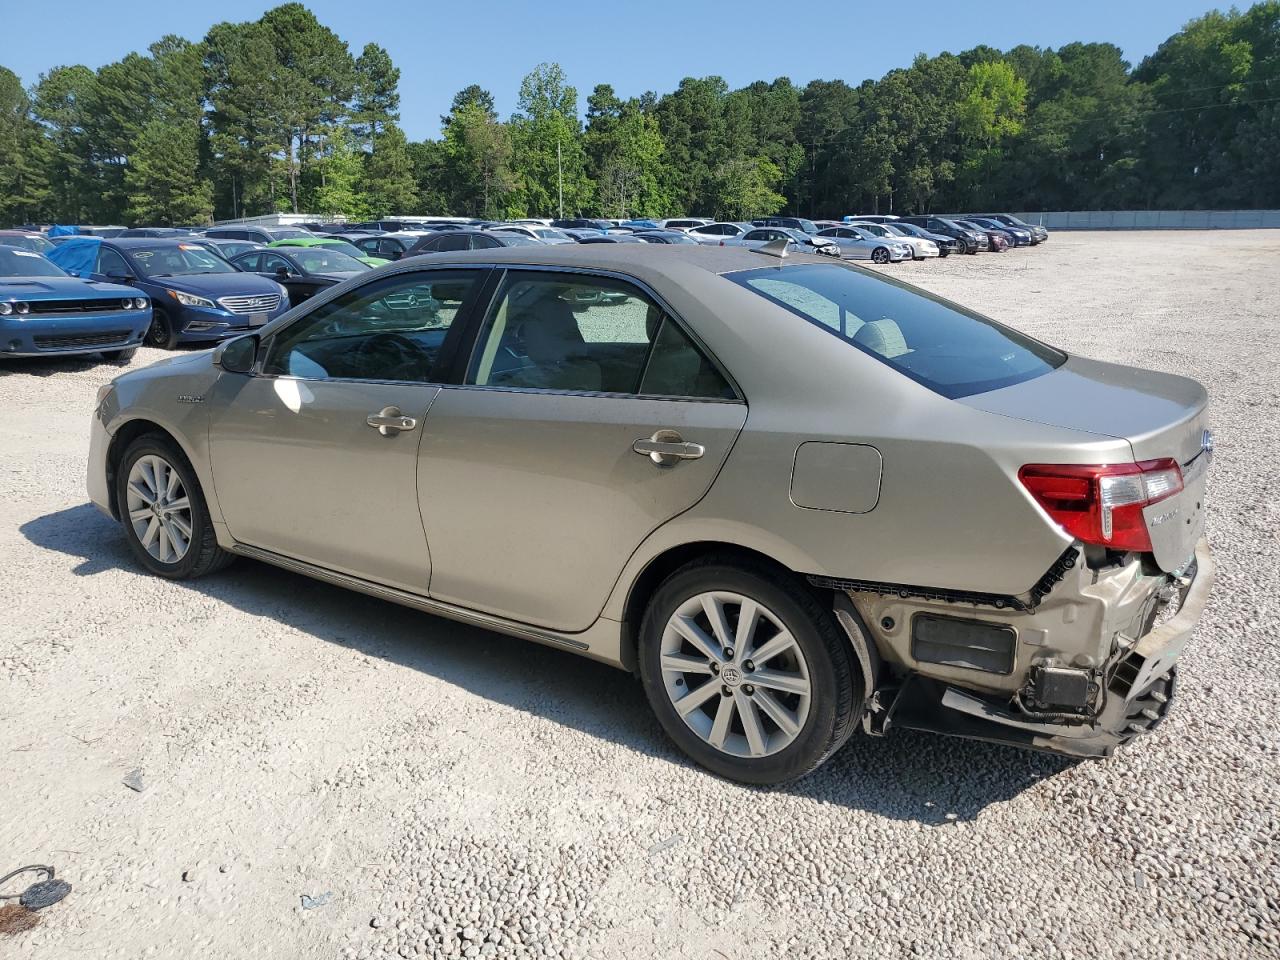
[667, 447]
[389, 421]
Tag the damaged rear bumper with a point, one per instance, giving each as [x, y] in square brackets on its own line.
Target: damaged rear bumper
[1138, 693]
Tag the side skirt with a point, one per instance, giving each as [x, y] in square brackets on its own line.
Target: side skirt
[403, 597]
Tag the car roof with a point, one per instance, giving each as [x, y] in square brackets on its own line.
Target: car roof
[641, 260]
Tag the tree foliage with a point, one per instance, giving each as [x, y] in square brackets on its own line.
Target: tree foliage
[279, 114]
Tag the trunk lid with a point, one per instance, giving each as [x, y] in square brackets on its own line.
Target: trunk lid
[1158, 414]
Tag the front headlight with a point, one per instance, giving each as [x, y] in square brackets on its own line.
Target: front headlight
[103, 391]
[6, 308]
[191, 300]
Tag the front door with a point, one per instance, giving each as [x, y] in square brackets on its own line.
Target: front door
[315, 454]
[588, 418]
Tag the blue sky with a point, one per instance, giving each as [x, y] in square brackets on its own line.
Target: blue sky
[636, 46]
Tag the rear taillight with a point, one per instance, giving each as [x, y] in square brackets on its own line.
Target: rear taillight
[1103, 504]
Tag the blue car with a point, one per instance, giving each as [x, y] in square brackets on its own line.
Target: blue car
[196, 295]
[45, 312]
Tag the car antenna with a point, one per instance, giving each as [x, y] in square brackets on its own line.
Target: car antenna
[775, 248]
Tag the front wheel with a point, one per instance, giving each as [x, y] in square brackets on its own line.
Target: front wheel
[119, 356]
[747, 671]
[880, 255]
[162, 507]
[162, 333]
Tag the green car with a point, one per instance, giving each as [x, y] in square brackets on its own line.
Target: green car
[350, 249]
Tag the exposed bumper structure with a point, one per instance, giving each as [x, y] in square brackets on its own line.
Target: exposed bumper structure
[1137, 694]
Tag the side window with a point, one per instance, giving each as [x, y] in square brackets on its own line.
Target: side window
[452, 241]
[483, 243]
[389, 248]
[565, 332]
[250, 261]
[271, 262]
[391, 329]
[430, 245]
[677, 368]
[111, 264]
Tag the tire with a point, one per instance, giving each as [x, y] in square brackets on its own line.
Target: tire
[119, 356]
[161, 333]
[819, 659]
[880, 255]
[202, 554]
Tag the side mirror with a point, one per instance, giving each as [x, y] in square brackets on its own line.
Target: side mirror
[238, 355]
[282, 273]
[121, 277]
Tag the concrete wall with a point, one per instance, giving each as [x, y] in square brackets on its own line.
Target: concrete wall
[1154, 219]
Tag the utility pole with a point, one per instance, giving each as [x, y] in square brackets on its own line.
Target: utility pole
[560, 178]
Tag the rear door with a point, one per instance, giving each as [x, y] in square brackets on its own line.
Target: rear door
[586, 418]
[315, 454]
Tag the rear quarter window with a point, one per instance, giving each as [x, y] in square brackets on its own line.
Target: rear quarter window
[950, 350]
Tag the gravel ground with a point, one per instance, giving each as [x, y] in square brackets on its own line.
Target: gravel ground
[458, 793]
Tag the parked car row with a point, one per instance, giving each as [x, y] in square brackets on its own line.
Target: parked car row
[200, 285]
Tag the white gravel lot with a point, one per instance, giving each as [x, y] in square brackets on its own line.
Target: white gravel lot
[464, 794]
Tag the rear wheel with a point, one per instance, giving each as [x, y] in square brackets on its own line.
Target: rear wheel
[747, 671]
[163, 510]
[162, 332]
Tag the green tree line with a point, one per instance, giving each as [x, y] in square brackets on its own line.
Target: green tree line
[279, 114]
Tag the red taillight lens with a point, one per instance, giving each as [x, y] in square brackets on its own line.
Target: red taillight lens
[1103, 504]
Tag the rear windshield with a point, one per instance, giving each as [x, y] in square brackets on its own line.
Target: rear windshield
[938, 344]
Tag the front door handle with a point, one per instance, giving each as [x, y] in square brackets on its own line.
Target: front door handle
[666, 447]
[389, 421]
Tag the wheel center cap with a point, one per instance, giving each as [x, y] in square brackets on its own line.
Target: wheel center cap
[730, 676]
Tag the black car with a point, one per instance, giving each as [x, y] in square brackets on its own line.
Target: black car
[467, 240]
[388, 246]
[581, 223]
[1038, 233]
[791, 223]
[665, 236]
[946, 245]
[263, 235]
[970, 241]
[303, 271]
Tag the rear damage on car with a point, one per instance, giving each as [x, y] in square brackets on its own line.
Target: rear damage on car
[1086, 658]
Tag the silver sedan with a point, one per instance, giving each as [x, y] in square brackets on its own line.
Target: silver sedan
[797, 498]
[857, 242]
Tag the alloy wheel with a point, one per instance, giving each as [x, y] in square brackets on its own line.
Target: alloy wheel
[880, 255]
[159, 508]
[735, 674]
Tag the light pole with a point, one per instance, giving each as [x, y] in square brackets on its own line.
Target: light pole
[560, 177]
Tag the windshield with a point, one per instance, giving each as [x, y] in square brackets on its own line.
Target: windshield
[25, 263]
[325, 259]
[180, 259]
[946, 348]
[33, 243]
[551, 233]
[519, 240]
[287, 233]
[893, 230]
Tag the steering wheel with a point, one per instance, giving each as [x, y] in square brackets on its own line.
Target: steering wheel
[393, 352]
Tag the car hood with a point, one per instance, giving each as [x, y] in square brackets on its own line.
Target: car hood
[217, 284]
[1159, 414]
[61, 288]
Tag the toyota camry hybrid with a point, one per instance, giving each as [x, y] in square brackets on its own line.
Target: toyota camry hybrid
[797, 498]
